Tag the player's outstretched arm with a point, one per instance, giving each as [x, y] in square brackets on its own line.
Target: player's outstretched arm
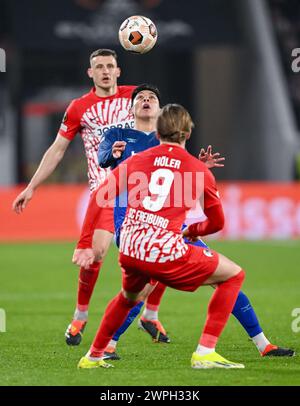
[210, 159]
[212, 209]
[49, 162]
[214, 223]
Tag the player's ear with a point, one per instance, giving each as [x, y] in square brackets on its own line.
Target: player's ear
[118, 72]
[89, 73]
[188, 135]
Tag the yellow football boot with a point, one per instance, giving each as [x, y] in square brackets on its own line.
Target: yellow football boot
[85, 363]
[212, 360]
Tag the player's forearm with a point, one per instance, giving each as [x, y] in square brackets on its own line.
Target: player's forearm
[47, 166]
[204, 228]
[214, 223]
[86, 239]
[106, 158]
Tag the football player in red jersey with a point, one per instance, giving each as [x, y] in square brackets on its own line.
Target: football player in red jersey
[152, 245]
[107, 105]
[135, 140]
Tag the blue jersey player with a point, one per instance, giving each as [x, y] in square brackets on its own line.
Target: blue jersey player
[127, 142]
[117, 145]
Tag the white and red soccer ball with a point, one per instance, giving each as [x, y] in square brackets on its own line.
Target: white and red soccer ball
[138, 34]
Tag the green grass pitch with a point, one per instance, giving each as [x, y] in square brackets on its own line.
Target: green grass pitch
[38, 291]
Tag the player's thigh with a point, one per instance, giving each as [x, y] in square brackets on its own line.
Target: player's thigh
[134, 281]
[225, 270]
[131, 295]
[101, 242]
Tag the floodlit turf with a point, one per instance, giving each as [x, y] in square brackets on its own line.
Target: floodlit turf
[38, 289]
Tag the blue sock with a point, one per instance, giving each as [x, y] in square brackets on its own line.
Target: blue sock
[130, 318]
[245, 314]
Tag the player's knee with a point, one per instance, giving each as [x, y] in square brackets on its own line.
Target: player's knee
[240, 277]
[233, 272]
[234, 269]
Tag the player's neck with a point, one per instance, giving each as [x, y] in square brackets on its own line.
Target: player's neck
[148, 126]
[173, 143]
[101, 92]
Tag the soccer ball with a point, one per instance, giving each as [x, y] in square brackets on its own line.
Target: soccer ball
[137, 34]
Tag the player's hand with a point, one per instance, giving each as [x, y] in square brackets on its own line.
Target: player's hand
[83, 257]
[210, 159]
[118, 149]
[22, 200]
[186, 235]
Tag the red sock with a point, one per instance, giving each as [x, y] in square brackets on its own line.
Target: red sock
[154, 299]
[86, 283]
[219, 309]
[114, 316]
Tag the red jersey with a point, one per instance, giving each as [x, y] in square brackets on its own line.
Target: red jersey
[163, 184]
[91, 115]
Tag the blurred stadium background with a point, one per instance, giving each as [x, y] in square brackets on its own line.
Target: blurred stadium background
[230, 63]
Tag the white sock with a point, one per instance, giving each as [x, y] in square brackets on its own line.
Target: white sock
[112, 344]
[79, 315]
[150, 314]
[261, 341]
[92, 358]
[201, 350]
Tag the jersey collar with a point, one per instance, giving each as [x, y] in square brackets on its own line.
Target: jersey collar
[93, 93]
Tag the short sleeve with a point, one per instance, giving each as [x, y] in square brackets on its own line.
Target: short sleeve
[70, 125]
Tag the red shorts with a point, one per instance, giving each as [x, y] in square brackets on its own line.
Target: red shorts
[186, 273]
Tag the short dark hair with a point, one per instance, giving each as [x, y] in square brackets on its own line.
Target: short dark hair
[146, 86]
[104, 52]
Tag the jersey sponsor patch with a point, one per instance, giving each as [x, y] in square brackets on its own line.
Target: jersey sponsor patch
[102, 130]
